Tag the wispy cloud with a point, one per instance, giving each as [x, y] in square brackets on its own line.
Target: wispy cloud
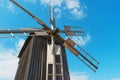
[81, 40]
[11, 7]
[78, 13]
[58, 11]
[6, 4]
[52, 2]
[116, 78]
[79, 76]
[19, 44]
[8, 61]
[8, 65]
[73, 7]
[71, 4]
[30, 1]
[62, 7]
[2, 3]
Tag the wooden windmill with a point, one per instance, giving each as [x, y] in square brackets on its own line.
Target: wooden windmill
[43, 55]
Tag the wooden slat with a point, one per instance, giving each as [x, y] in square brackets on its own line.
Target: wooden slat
[72, 49]
[70, 42]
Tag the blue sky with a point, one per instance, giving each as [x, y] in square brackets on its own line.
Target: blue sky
[100, 19]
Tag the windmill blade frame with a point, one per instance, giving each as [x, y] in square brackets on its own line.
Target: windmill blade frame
[33, 16]
[81, 57]
[65, 43]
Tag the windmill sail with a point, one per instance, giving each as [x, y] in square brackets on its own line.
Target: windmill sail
[34, 17]
[81, 54]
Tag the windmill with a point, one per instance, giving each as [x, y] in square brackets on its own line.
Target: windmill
[43, 55]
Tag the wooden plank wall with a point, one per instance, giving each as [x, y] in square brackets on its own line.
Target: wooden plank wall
[32, 63]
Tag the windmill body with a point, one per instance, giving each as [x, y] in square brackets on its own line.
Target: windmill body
[37, 63]
[43, 55]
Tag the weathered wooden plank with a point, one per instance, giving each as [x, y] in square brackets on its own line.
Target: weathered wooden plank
[33, 60]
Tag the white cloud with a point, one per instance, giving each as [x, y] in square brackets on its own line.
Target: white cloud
[6, 4]
[10, 7]
[75, 9]
[8, 61]
[2, 3]
[78, 76]
[19, 44]
[116, 78]
[31, 1]
[8, 66]
[78, 13]
[52, 2]
[58, 12]
[81, 40]
[72, 4]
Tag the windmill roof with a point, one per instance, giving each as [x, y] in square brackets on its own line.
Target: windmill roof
[27, 41]
[24, 46]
